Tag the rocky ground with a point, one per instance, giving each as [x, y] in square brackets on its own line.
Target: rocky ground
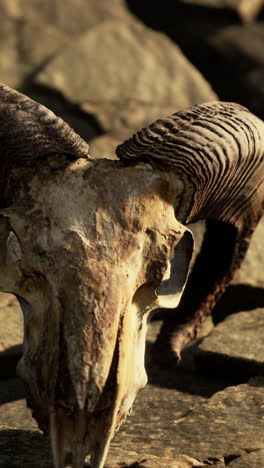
[108, 68]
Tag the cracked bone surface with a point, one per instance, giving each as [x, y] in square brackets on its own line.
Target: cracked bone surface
[88, 251]
[91, 247]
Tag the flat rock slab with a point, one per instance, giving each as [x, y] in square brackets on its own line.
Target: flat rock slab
[165, 424]
[121, 83]
[229, 423]
[235, 347]
[133, 460]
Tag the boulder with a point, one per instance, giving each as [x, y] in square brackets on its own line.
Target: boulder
[126, 76]
[239, 50]
[33, 32]
[27, 46]
[235, 347]
[247, 9]
[104, 146]
[69, 16]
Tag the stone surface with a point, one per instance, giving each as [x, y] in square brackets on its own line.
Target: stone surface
[27, 46]
[165, 423]
[254, 459]
[33, 32]
[251, 271]
[11, 334]
[124, 85]
[104, 146]
[133, 460]
[247, 9]
[240, 49]
[235, 346]
[224, 425]
[69, 16]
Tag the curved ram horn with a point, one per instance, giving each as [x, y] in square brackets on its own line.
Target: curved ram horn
[215, 147]
[216, 150]
[31, 131]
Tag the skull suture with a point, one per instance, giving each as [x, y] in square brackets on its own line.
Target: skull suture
[89, 254]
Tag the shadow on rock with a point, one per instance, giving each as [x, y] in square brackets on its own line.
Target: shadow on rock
[183, 377]
[239, 297]
[8, 361]
[24, 448]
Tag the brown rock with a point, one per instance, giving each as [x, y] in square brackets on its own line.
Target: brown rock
[69, 16]
[123, 84]
[222, 426]
[252, 271]
[27, 46]
[239, 50]
[133, 460]
[104, 146]
[247, 9]
[11, 334]
[33, 32]
[234, 347]
[254, 459]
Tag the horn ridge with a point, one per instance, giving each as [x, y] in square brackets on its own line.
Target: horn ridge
[28, 130]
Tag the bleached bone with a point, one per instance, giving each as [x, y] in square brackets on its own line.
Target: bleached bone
[91, 247]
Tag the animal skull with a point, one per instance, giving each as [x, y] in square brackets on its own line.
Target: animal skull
[89, 249]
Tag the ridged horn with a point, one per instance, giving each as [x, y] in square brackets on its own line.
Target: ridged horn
[30, 131]
[217, 148]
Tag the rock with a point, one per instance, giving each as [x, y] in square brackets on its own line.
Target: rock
[165, 423]
[235, 347]
[27, 46]
[11, 390]
[252, 271]
[254, 459]
[34, 32]
[16, 415]
[69, 16]
[123, 84]
[224, 425]
[104, 146]
[247, 9]
[133, 460]
[239, 50]
[11, 334]
[21, 448]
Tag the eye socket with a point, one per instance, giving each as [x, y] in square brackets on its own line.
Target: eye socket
[145, 298]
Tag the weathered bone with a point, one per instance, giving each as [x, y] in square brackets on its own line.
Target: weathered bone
[84, 334]
[90, 248]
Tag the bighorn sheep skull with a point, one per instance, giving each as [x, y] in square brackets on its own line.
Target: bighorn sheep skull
[91, 247]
